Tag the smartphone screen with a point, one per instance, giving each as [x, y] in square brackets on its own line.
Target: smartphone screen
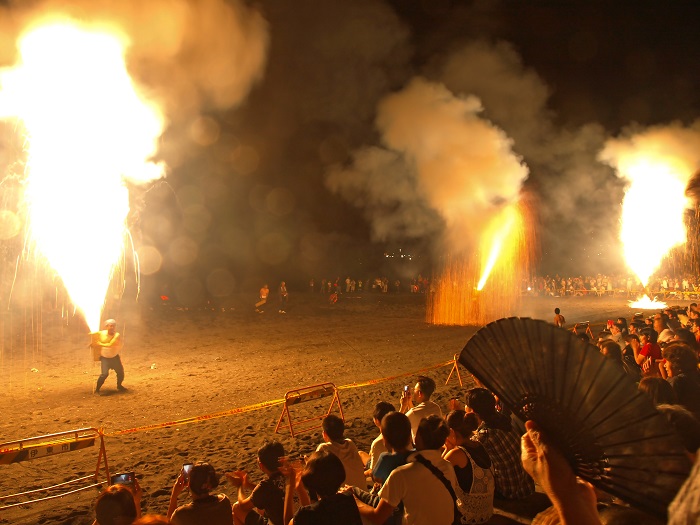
[186, 469]
[123, 479]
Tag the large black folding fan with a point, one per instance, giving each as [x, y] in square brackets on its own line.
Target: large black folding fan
[610, 432]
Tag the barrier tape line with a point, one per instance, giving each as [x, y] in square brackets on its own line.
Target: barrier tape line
[384, 379]
[264, 404]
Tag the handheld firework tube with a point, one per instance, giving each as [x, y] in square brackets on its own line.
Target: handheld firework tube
[95, 347]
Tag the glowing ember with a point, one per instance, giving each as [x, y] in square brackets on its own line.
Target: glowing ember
[87, 130]
[503, 224]
[647, 303]
[456, 300]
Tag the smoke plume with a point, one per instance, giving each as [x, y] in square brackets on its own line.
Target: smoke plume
[192, 55]
[442, 166]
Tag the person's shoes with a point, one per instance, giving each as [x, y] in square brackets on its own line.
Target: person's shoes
[122, 388]
[258, 310]
[97, 392]
[282, 312]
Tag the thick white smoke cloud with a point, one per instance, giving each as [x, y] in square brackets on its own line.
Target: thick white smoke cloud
[192, 55]
[578, 197]
[440, 159]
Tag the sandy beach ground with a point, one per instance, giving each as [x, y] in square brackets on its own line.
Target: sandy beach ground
[186, 363]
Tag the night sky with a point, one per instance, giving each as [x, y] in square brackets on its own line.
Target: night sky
[283, 180]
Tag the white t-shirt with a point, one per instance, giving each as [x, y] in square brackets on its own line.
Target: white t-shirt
[418, 412]
[352, 462]
[376, 450]
[425, 498]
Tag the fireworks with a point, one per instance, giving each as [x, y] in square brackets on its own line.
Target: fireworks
[657, 164]
[479, 289]
[87, 131]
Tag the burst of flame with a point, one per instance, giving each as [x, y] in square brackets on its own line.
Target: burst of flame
[647, 303]
[87, 130]
[652, 210]
[455, 299]
[503, 224]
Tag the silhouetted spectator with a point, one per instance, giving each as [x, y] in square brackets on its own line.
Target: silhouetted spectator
[659, 390]
[417, 405]
[336, 443]
[324, 474]
[205, 507]
[118, 505]
[267, 496]
[502, 443]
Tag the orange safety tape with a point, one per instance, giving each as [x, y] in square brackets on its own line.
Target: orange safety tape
[384, 379]
[197, 419]
[264, 404]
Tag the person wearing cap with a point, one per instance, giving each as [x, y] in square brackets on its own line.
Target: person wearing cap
[110, 343]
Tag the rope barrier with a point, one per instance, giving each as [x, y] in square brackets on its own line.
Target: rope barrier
[264, 404]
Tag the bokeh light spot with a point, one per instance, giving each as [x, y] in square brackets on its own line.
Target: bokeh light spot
[183, 251]
[150, 260]
[205, 131]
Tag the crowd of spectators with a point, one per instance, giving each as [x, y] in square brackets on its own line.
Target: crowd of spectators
[685, 287]
[426, 468]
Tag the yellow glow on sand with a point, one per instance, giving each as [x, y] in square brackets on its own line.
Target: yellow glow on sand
[87, 131]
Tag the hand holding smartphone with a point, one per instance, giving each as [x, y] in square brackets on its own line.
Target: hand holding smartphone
[126, 478]
[186, 469]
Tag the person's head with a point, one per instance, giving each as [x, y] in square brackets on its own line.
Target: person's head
[659, 390]
[424, 388]
[269, 456]
[462, 425]
[615, 328]
[203, 479]
[622, 322]
[685, 424]
[648, 336]
[659, 325]
[694, 327]
[481, 402]
[636, 327]
[110, 326]
[680, 359]
[115, 506]
[633, 341]
[396, 430]
[381, 409]
[431, 433]
[611, 350]
[324, 473]
[557, 311]
[683, 335]
[333, 428]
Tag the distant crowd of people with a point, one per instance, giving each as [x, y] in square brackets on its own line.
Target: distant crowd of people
[685, 287]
